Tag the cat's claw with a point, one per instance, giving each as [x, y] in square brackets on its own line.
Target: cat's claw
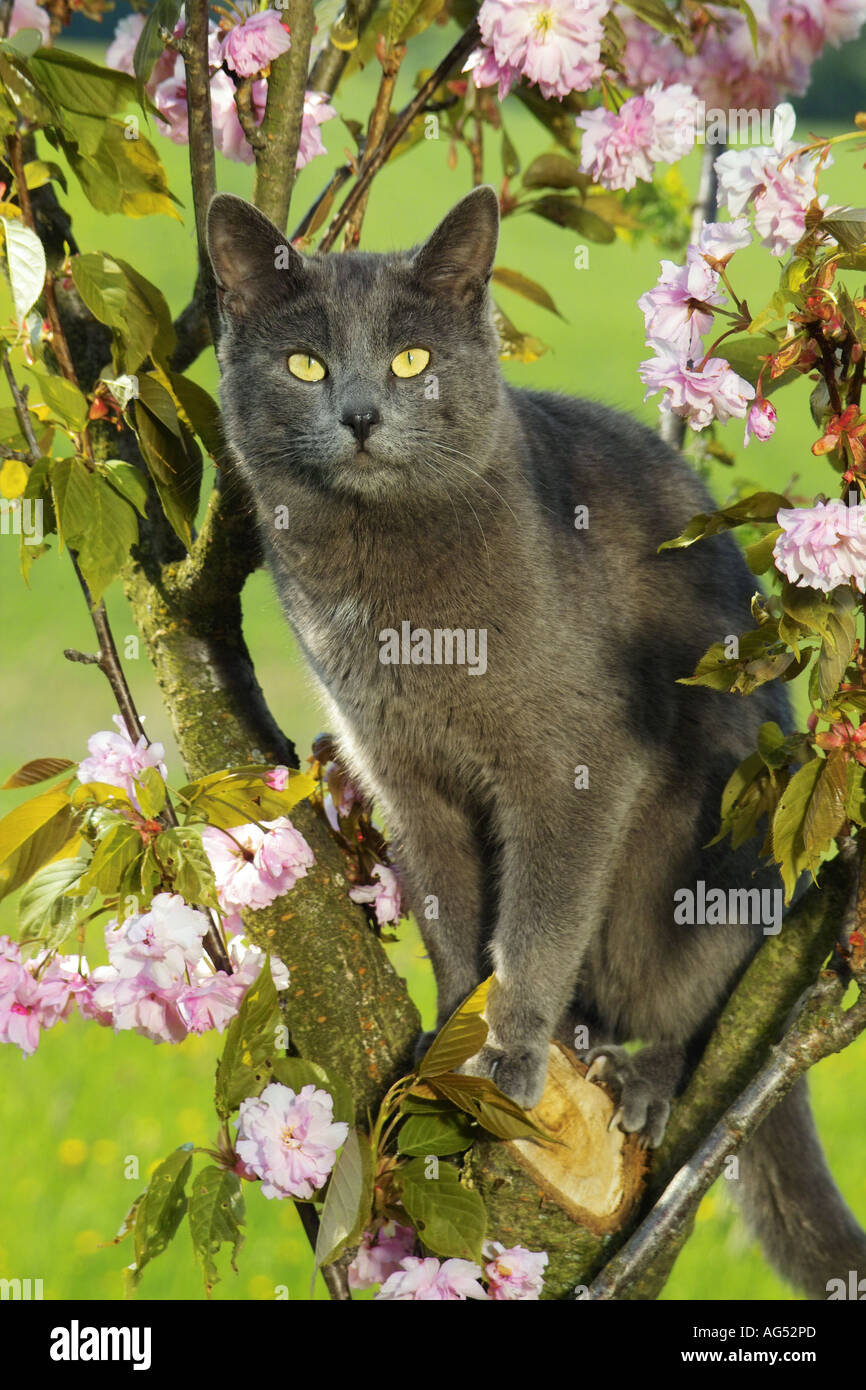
[520, 1073]
[642, 1108]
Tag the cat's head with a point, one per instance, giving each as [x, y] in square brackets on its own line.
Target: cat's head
[358, 373]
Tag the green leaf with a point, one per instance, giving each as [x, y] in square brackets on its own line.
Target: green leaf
[435, 1134]
[163, 15]
[18, 826]
[746, 354]
[571, 212]
[462, 1036]
[250, 1044]
[114, 854]
[837, 647]
[127, 303]
[161, 1209]
[348, 1199]
[116, 173]
[107, 542]
[757, 507]
[239, 795]
[555, 171]
[47, 911]
[63, 399]
[484, 1101]
[657, 14]
[39, 770]
[77, 84]
[150, 792]
[826, 812]
[789, 847]
[174, 463]
[522, 285]
[180, 849]
[46, 842]
[450, 1218]
[128, 480]
[72, 489]
[25, 259]
[216, 1218]
[847, 226]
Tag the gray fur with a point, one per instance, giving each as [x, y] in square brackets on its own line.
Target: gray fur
[460, 514]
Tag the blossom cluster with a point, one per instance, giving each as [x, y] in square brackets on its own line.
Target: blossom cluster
[388, 1259]
[778, 183]
[557, 45]
[118, 762]
[554, 43]
[823, 546]
[727, 70]
[676, 313]
[246, 50]
[656, 126]
[157, 981]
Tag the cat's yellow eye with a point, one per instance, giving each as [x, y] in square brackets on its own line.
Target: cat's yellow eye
[411, 362]
[306, 368]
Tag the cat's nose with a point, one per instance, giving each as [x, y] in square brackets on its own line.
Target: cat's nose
[360, 422]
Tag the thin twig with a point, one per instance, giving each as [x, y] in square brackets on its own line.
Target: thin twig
[376, 128]
[371, 165]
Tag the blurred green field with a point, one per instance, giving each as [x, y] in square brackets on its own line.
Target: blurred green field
[89, 1105]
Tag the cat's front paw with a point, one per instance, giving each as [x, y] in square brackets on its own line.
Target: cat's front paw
[642, 1106]
[519, 1072]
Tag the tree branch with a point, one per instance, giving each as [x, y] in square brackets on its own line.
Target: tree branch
[376, 127]
[822, 1027]
[283, 119]
[202, 164]
[373, 162]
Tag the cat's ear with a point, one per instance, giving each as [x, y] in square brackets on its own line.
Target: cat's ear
[457, 258]
[252, 261]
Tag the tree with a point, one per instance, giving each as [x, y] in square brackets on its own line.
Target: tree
[103, 443]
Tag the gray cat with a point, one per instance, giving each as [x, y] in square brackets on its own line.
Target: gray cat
[548, 801]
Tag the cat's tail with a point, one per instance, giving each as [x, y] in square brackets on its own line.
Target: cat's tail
[789, 1199]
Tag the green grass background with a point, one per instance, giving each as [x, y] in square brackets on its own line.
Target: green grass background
[90, 1106]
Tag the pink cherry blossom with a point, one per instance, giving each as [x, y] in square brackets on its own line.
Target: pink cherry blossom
[317, 110]
[290, 1141]
[513, 1274]
[385, 895]
[618, 148]
[256, 42]
[428, 1280]
[714, 393]
[670, 308]
[823, 546]
[133, 1002]
[254, 864]
[779, 184]
[555, 43]
[213, 998]
[719, 240]
[760, 421]
[26, 14]
[487, 72]
[121, 50]
[381, 1257]
[162, 944]
[117, 761]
